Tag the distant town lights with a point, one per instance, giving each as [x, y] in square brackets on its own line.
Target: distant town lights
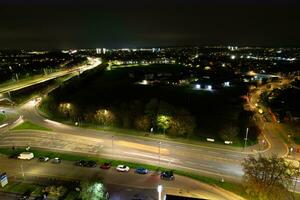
[232, 57]
[198, 86]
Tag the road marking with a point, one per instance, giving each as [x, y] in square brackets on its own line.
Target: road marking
[151, 156]
[143, 147]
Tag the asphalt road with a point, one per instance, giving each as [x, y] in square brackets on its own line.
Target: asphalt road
[26, 83]
[129, 180]
[211, 161]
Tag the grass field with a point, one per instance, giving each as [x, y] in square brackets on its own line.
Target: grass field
[31, 126]
[212, 110]
[2, 117]
[21, 188]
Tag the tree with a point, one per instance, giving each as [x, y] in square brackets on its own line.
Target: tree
[268, 178]
[163, 122]
[254, 132]
[165, 109]
[151, 110]
[67, 110]
[229, 133]
[143, 123]
[182, 124]
[92, 191]
[105, 117]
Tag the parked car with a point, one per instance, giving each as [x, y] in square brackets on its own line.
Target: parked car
[167, 175]
[25, 196]
[56, 160]
[44, 159]
[91, 163]
[14, 156]
[122, 168]
[80, 163]
[105, 166]
[26, 156]
[84, 163]
[141, 170]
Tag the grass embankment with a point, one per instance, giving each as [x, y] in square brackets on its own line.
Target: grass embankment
[197, 140]
[30, 126]
[21, 188]
[233, 187]
[2, 117]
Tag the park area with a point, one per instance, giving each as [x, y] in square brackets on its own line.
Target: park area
[123, 99]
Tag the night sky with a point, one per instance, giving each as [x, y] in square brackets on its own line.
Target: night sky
[43, 24]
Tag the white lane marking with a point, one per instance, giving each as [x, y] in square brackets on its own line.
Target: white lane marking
[150, 156]
[3, 125]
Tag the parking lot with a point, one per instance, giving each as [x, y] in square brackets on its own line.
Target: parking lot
[119, 183]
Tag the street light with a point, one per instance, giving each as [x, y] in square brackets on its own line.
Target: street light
[246, 138]
[159, 190]
[159, 143]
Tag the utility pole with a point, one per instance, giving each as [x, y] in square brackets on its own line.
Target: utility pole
[246, 138]
[159, 143]
[112, 143]
[22, 171]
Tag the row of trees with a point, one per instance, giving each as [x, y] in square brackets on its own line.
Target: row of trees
[156, 115]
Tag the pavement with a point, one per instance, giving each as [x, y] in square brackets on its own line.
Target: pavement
[128, 183]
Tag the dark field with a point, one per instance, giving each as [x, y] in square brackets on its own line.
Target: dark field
[114, 90]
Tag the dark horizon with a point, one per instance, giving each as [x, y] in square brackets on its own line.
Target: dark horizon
[132, 24]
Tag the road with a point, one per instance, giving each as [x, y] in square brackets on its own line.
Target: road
[270, 129]
[93, 62]
[68, 171]
[210, 161]
[214, 162]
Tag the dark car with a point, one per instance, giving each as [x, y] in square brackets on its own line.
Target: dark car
[141, 170]
[25, 196]
[43, 159]
[80, 163]
[56, 160]
[105, 166]
[167, 175]
[14, 156]
[91, 164]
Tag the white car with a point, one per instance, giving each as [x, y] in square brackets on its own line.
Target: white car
[26, 156]
[122, 168]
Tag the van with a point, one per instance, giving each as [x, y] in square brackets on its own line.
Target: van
[26, 156]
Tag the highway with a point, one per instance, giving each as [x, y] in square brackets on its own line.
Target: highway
[93, 62]
[209, 160]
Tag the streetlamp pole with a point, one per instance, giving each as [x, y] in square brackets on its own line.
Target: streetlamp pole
[22, 171]
[159, 143]
[112, 142]
[246, 138]
[159, 190]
